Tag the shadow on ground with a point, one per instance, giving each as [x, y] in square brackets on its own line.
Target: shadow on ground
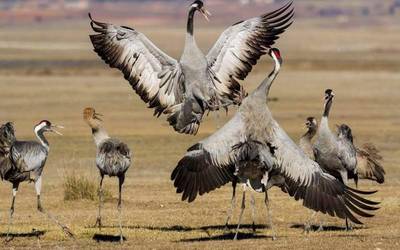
[107, 238]
[34, 233]
[315, 228]
[228, 236]
[178, 228]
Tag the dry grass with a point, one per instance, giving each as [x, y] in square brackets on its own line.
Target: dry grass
[154, 217]
[78, 187]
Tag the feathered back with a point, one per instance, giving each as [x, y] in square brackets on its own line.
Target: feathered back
[368, 163]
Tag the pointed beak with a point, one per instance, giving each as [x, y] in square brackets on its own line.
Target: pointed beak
[96, 116]
[55, 131]
[205, 13]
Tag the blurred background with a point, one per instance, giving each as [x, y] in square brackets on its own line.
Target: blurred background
[48, 70]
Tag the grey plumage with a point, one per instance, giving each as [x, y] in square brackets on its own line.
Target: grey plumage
[22, 159]
[305, 142]
[368, 163]
[208, 165]
[113, 158]
[335, 153]
[185, 89]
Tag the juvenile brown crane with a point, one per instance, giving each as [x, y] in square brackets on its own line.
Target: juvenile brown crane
[113, 158]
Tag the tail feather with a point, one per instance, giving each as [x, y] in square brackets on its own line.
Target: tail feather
[369, 166]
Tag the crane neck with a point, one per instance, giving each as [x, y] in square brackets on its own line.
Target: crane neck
[190, 21]
[40, 135]
[264, 87]
[99, 135]
[327, 107]
[309, 134]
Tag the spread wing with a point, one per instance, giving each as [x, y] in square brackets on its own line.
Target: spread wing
[209, 164]
[368, 163]
[156, 77]
[318, 190]
[240, 46]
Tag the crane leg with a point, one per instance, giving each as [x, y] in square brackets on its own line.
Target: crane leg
[269, 212]
[38, 187]
[307, 225]
[121, 182]
[14, 194]
[98, 220]
[233, 203]
[253, 211]
[241, 214]
[349, 227]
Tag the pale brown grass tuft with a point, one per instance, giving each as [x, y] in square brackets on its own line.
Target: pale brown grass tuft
[82, 188]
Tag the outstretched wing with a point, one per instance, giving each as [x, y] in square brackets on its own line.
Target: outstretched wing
[368, 163]
[209, 164]
[156, 77]
[241, 45]
[318, 190]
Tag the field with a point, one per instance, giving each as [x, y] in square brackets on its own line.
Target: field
[49, 72]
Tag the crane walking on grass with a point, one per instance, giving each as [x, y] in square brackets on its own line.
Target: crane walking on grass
[113, 158]
[25, 161]
[184, 90]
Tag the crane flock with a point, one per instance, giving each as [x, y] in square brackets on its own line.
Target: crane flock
[251, 149]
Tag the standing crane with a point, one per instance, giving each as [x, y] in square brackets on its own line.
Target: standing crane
[210, 164]
[113, 158]
[27, 158]
[184, 90]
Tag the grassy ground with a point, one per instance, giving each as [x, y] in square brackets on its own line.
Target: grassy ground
[50, 73]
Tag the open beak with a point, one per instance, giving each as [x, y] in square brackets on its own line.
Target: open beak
[55, 131]
[205, 13]
[96, 116]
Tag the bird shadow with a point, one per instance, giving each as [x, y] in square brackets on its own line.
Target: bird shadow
[315, 228]
[179, 228]
[107, 238]
[34, 233]
[227, 236]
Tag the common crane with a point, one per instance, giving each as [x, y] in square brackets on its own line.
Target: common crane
[185, 89]
[210, 164]
[113, 158]
[25, 161]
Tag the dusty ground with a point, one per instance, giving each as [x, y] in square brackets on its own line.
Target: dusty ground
[50, 73]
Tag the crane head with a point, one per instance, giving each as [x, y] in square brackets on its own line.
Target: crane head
[91, 114]
[329, 94]
[276, 55]
[46, 126]
[311, 123]
[344, 131]
[199, 5]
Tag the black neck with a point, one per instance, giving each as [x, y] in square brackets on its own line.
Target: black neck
[327, 109]
[43, 139]
[310, 133]
[189, 28]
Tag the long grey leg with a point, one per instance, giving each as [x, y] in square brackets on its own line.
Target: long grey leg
[38, 187]
[98, 220]
[14, 194]
[121, 182]
[253, 211]
[233, 204]
[267, 204]
[241, 213]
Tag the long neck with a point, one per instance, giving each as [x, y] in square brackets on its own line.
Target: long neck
[327, 108]
[99, 134]
[42, 139]
[191, 47]
[309, 134]
[264, 87]
[189, 27]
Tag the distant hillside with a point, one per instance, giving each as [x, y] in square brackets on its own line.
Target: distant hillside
[155, 11]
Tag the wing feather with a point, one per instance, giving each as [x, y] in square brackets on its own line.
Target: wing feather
[209, 164]
[156, 77]
[240, 47]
